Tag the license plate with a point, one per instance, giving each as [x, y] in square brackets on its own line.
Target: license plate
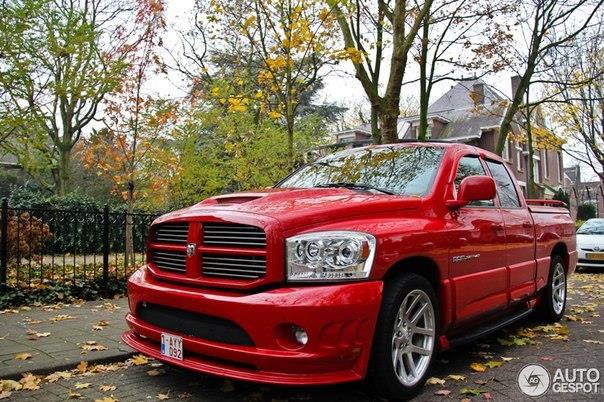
[171, 346]
[595, 256]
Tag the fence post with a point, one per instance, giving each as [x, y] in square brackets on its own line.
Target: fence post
[105, 245]
[3, 242]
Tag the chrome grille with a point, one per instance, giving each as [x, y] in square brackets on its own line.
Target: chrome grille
[169, 260]
[233, 235]
[233, 266]
[175, 233]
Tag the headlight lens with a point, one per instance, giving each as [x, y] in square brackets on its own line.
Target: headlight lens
[332, 255]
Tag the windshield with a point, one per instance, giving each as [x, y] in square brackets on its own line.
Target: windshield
[408, 170]
[592, 227]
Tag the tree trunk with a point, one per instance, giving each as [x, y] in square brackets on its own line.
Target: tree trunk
[129, 252]
[62, 176]
[388, 126]
[376, 134]
[424, 96]
[290, 140]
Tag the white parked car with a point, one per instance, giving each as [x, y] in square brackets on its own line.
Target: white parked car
[590, 243]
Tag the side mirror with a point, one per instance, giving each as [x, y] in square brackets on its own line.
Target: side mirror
[473, 188]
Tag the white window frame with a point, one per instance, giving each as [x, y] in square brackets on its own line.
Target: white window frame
[519, 156]
[536, 168]
[506, 151]
[545, 164]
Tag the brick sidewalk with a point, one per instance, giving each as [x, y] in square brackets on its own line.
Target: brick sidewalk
[56, 336]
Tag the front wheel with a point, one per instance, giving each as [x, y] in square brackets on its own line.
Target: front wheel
[553, 301]
[406, 337]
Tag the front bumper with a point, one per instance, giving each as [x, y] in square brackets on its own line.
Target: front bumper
[583, 262]
[339, 319]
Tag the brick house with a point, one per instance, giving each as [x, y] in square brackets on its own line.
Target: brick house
[583, 192]
[471, 112]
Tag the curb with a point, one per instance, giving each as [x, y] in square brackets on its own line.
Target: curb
[69, 366]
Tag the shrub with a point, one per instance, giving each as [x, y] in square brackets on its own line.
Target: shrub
[586, 211]
[26, 236]
[562, 195]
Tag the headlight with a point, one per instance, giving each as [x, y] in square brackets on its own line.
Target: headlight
[334, 255]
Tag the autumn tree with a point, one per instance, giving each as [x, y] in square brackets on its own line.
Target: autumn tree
[454, 43]
[370, 31]
[545, 26]
[263, 56]
[575, 91]
[136, 123]
[59, 61]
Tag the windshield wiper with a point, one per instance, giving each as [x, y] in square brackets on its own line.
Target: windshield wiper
[356, 185]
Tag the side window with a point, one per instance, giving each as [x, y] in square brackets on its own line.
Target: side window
[508, 197]
[471, 166]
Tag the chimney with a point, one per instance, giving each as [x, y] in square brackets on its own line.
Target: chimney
[515, 81]
[478, 93]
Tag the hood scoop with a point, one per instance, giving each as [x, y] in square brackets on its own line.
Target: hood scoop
[233, 199]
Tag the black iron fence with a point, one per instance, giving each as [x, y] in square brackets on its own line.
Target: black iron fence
[41, 245]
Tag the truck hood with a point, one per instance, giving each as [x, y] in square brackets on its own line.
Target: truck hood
[300, 207]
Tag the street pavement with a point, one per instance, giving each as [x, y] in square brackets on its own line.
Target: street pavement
[485, 370]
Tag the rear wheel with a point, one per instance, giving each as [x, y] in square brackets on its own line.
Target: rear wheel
[406, 337]
[553, 301]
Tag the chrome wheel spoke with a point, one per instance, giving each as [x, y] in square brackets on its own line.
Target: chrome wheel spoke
[413, 343]
[558, 288]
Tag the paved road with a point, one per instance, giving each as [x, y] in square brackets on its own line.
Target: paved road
[529, 342]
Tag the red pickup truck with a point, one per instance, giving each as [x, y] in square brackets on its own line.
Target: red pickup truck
[362, 264]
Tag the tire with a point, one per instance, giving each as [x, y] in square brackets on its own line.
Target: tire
[390, 370]
[553, 297]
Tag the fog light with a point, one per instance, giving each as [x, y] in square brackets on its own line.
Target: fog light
[300, 335]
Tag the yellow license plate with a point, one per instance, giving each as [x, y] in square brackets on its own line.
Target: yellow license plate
[595, 256]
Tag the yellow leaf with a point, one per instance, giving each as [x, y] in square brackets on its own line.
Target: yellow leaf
[30, 382]
[23, 356]
[435, 381]
[82, 367]
[493, 364]
[456, 377]
[107, 388]
[478, 367]
[139, 360]
[9, 385]
[82, 385]
[5, 394]
[74, 395]
[162, 397]
[58, 375]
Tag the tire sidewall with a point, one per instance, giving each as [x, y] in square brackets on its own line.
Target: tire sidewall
[548, 303]
[381, 369]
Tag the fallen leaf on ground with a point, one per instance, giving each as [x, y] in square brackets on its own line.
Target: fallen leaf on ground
[10, 385]
[107, 388]
[456, 377]
[22, 356]
[442, 392]
[5, 394]
[82, 385]
[593, 341]
[184, 395]
[74, 395]
[58, 375]
[493, 364]
[61, 317]
[107, 399]
[103, 323]
[155, 372]
[435, 381]
[470, 391]
[92, 346]
[42, 334]
[478, 367]
[507, 359]
[487, 396]
[82, 367]
[162, 397]
[139, 360]
[97, 328]
[30, 382]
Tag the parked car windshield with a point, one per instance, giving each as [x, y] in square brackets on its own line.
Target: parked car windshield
[400, 170]
[592, 227]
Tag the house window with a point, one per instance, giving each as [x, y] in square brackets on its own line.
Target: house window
[519, 156]
[545, 164]
[506, 151]
[537, 168]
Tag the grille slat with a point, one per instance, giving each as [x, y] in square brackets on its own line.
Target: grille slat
[233, 235]
[227, 266]
[174, 233]
[170, 260]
